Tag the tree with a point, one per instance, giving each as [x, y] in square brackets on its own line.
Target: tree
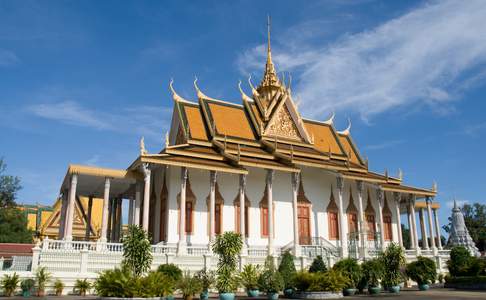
[13, 226]
[475, 219]
[137, 251]
[9, 186]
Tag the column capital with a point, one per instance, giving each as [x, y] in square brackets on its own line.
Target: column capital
[380, 194]
[243, 181]
[74, 178]
[398, 197]
[340, 183]
[213, 177]
[428, 200]
[360, 186]
[295, 181]
[270, 175]
[184, 174]
[146, 170]
[107, 182]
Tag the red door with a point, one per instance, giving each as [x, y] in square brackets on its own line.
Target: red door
[353, 223]
[304, 224]
[370, 222]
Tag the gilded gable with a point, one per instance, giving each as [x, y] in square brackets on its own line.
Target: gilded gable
[283, 125]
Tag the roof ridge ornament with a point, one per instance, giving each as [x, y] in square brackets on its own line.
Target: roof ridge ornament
[142, 147]
[199, 93]
[253, 90]
[244, 96]
[175, 96]
[330, 121]
[270, 77]
[347, 130]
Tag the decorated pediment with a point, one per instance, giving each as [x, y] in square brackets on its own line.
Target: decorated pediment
[283, 125]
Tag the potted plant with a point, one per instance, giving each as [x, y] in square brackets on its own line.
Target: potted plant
[288, 271]
[350, 269]
[81, 286]
[249, 279]
[42, 277]
[189, 286]
[27, 285]
[318, 265]
[58, 287]
[423, 271]
[10, 283]
[206, 278]
[170, 270]
[227, 246]
[270, 281]
[393, 260]
[373, 273]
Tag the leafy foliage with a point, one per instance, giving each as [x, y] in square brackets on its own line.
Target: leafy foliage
[13, 226]
[462, 263]
[228, 246]
[42, 277]
[287, 269]
[270, 280]
[170, 270]
[475, 219]
[393, 259]
[350, 269]
[189, 285]
[81, 286]
[206, 278]
[27, 284]
[10, 283]
[137, 254]
[9, 186]
[318, 265]
[249, 276]
[58, 286]
[330, 281]
[373, 270]
[422, 271]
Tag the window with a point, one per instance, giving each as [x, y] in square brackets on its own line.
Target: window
[218, 210]
[353, 223]
[371, 228]
[264, 220]
[190, 203]
[387, 224]
[333, 225]
[217, 218]
[188, 224]
[237, 215]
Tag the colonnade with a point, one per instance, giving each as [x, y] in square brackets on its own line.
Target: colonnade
[433, 226]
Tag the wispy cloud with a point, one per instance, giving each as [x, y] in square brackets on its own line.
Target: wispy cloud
[149, 121]
[384, 145]
[8, 58]
[92, 161]
[428, 56]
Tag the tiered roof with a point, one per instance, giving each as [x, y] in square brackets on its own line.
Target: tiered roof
[265, 131]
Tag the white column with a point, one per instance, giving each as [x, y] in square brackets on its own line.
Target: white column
[295, 189]
[182, 215]
[362, 224]
[130, 211]
[342, 233]
[431, 226]
[410, 227]
[104, 216]
[437, 229]
[414, 225]
[270, 174]
[146, 196]
[72, 199]
[62, 221]
[138, 204]
[399, 221]
[380, 198]
[212, 203]
[157, 217]
[425, 240]
[242, 211]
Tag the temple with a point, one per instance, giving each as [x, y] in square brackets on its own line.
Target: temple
[259, 168]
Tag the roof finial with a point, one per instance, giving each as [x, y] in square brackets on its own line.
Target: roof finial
[198, 91]
[142, 147]
[175, 96]
[270, 77]
[243, 95]
[269, 48]
[347, 130]
[331, 119]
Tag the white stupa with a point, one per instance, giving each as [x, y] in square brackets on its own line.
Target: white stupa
[459, 235]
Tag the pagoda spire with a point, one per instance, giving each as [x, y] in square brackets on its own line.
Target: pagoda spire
[270, 77]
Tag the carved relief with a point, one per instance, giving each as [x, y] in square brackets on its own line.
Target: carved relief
[283, 125]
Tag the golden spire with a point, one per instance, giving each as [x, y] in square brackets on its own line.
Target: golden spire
[270, 77]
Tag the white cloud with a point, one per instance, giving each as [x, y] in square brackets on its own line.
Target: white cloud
[428, 56]
[8, 58]
[148, 121]
[384, 145]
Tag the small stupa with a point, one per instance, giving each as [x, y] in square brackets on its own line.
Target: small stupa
[459, 235]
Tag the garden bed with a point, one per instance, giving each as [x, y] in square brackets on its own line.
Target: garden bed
[317, 295]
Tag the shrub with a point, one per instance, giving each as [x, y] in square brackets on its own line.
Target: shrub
[228, 246]
[206, 278]
[351, 270]
[270, 280]
[318, 265]
[422, 271]
[393, 260]
[118, 282]
[42, 277]
[189, 286]
[58, 287]
[81, 286]
[249, 277]
[287, 269]
[440, 278]
[331, 281]
[155, 284]
[466, 279]
[460, 261]
[27, 284]
[373, 270]
[10, 283]
[137, 252]
[170, 270]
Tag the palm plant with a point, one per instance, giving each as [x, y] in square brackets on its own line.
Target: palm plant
[81, 286]
[189, 286]
[10, 283]
[249, 277]
[42, 277]
[58, 287]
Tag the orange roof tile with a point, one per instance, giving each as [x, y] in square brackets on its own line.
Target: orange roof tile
[324, 137]
[195, 122]
[231, 121]
[346, 142]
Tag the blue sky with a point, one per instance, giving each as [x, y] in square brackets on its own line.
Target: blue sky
[82, 81]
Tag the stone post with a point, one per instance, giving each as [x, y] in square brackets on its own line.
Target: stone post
[242, 214]
[431, 226]
[138, 203]
[83, 267]
[181, 246]
[342, 233]
[295, 189]
[380, 198]
[35, 258]
[362, 224]
[104, 215]
[425, 240]
[146, 196]
[397, 197]
[212, 204]
[270, 174]
[414, 225]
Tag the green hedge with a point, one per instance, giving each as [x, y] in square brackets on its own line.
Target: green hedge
[466, 279]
